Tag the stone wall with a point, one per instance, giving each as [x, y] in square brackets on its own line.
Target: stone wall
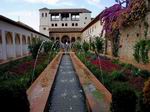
[129, 37]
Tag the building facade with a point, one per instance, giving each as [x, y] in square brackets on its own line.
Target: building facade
[65, 25]
[15, 37]
[92, 30]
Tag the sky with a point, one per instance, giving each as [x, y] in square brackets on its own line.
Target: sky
[27, 11]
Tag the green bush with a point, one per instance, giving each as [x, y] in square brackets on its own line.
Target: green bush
[107, 81]
[47, 46]
[77, 46]
[136, 71]
[141, 50]
[116, 75]
[93, 47]
[85, 46]
[145, 74]
[13, 98]
[99, 42]
[38, 70]
[142, 105]
[116, 61]
[34, 48]
[123, 99]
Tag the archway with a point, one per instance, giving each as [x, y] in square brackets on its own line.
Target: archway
[29, 40]
[57, 38]
[52, 39]
[24, 44]
[73, 39]
[79, 38]
[65, 39]
[18, 45]
[9, 44]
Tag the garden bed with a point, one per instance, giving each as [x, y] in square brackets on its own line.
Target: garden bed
[133, 76]
[117, 76]
[15, 78]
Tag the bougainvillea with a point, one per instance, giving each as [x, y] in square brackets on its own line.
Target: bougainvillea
[123, 13]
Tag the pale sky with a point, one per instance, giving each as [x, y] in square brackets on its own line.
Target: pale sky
[27, 11]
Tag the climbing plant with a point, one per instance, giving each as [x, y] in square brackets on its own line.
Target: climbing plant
[116, 43]
[141, 50]
[146, 25]
[121, 14]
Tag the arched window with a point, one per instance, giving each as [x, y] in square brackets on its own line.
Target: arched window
[52, 38]
[17, 39]
[73, 39]
[79, 38]
[57, 38]
[42, 14]
[9, 39]
[23, 40]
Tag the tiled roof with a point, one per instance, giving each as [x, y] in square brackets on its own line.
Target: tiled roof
[44, 8]
[24, 25]
[78, 10]
[65, 30]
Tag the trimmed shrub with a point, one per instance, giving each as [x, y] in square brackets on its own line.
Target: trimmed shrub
[142, 106]
[77, 46]
[99, 43]
[47, 46]
[145, 74]
[123, 99]
[85, 46]
[115, 75]
[93, 47]
[13, 98]
[34, 48]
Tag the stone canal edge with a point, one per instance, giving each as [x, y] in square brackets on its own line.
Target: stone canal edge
[39, 91]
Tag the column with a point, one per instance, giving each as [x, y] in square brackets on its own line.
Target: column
[21, 44]
[4, 45]
[60, 16]
[27, 44]
[14, 45]
[69, 16]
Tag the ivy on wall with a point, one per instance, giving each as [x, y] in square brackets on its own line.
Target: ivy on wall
[146, 25]
[116, 43]
[141, 50]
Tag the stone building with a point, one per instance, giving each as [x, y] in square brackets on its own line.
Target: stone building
[64, 25]
[92, 30]
[15, 38]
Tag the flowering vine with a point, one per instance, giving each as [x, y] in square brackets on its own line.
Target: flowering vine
[121, 14]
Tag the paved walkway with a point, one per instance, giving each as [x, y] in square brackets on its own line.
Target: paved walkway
[67, 95]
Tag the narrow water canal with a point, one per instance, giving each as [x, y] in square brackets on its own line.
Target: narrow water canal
[67, 94]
